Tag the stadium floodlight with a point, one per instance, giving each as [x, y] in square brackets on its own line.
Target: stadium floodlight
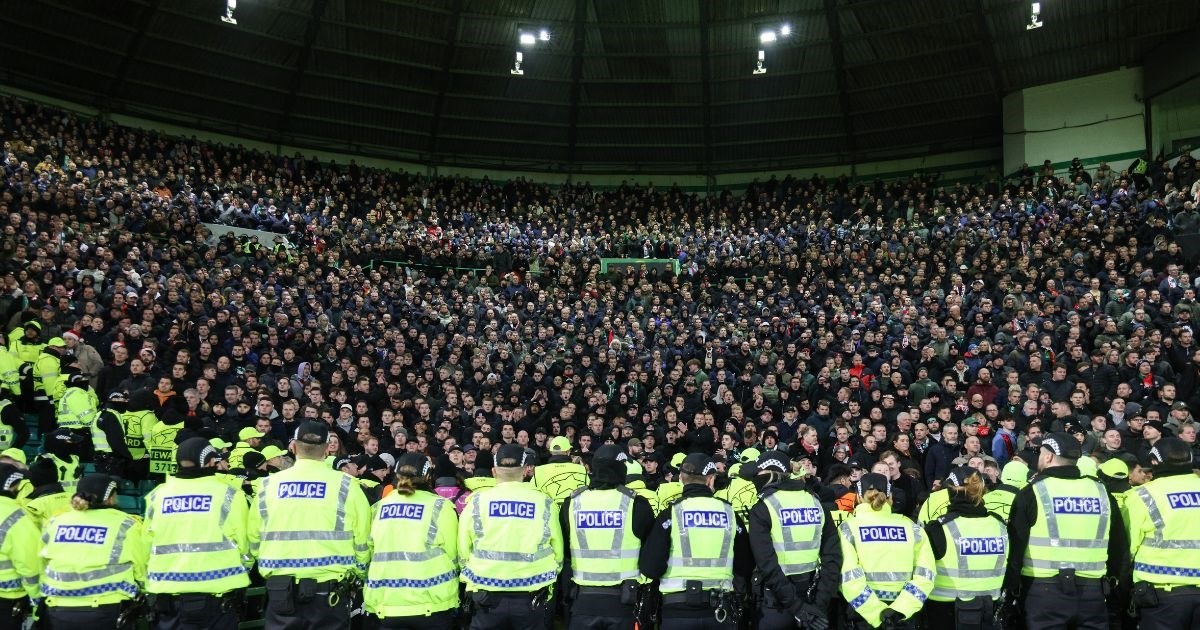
[761, 67]
[767, 37]
[526, 39]
[516, 69]
[785, 30]
[1035, 17]
[230, 7]
[544, 35]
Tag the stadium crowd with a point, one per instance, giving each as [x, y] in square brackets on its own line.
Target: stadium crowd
[904, 327]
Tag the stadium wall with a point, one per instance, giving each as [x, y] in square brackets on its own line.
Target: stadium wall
[1096, 118]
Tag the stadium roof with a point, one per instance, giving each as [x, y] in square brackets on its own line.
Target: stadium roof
[621, 85]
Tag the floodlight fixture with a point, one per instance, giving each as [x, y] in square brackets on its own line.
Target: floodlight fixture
[761, 67]
[527, 39]
[767, 37]
[1035, 16]
[230, 7]
[516, 69]
[785, 30]
[544, 35]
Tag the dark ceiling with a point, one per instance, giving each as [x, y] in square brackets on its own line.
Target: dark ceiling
[623, 85]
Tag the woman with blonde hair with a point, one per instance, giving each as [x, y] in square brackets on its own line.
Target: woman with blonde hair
[970, 546]
[887, 563]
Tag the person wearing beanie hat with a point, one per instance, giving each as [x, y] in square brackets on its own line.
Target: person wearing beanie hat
[196, 525]
[513, 548]
[95, 557]
[604, 526]
[561, 475]
[412, 578]
[1013, 477]
[698, 538]
[1162, 533]
[970, 546]
[19, 547]
[1061, 509]
[794, 542]
[309, 525]
[887, 563]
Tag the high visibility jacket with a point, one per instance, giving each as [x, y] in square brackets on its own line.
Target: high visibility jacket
[308, 524]
[797, 520]
[639, 488]
[604, 549]
[976, 554]
[999, 500]
[47, 506]
[475, 484]
[10, 372]
[1162, 531]
[885, 558]
[741, 494]
[934, 507]
[1072, 528]
[26, 351]
[559, 479]
[668, 491]
[414, 559]
[68, 470]
[93, 558]
[77, 408]
[163, 447]
[510, 539]
[196, 535]
[7, 435]
[137, 425]
[236, 454]
[702, 533]
[20, 565]
[47, 376]
[99, 436]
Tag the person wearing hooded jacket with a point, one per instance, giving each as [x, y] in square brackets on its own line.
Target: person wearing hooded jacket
[796, 548]
[970, 546]
[19, 546]
[604, 525]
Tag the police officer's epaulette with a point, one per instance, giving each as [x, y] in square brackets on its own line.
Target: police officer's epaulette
[946, 518]
[578, 491]
[766, 492]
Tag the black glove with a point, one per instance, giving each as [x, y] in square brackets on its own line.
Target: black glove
[812, 617]
[892, 619]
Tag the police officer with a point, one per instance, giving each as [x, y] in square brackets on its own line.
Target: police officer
[796, 548]
[48, 384]
[309, 529]
[110, 452]
[77, 406]
[196, 533]
[1163, 540]
[670, 490]
[1013, 477]
[696, 548]
[635, 479]
[604, 525]
[95, 559]
[560, 476]
[412, 582]
[1066, 536]
[20, 541]
[512, 548]
[13, 430]
[971, 548]
[887, 563]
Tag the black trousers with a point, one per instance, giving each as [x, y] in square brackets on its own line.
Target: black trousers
[511, 612]
[443, 620]
[600, 612]
[1175, 611]
[1054, 603]
[683, 617]
[196, 612]
[83, 617]
[946, 615]
[322, 612]
[774, 619]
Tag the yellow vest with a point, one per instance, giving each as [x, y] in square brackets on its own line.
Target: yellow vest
[702, 533]
[604, 549]
[668, 491]
[163, 447]
[885, 558]
[559, 479]
[137, 424]
[797, 520]
[510, 539]
[414, 562]
[934, 507]
[93, 558]
[1163, 516]
[976, 554]
[1071, 531]
[196, 532]
[20, 566]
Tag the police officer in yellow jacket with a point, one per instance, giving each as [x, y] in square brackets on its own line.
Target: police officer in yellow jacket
[95, 559]
[1067, 537]
[699, 552]
[887, 563]
[795, 543]
[13, 430]
[412, 583]
[48, 382]
[511, 544]
[20, 565]
[309, 529]
[196, 534]
[604, 526]
[971, 548]
[1163, 540]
